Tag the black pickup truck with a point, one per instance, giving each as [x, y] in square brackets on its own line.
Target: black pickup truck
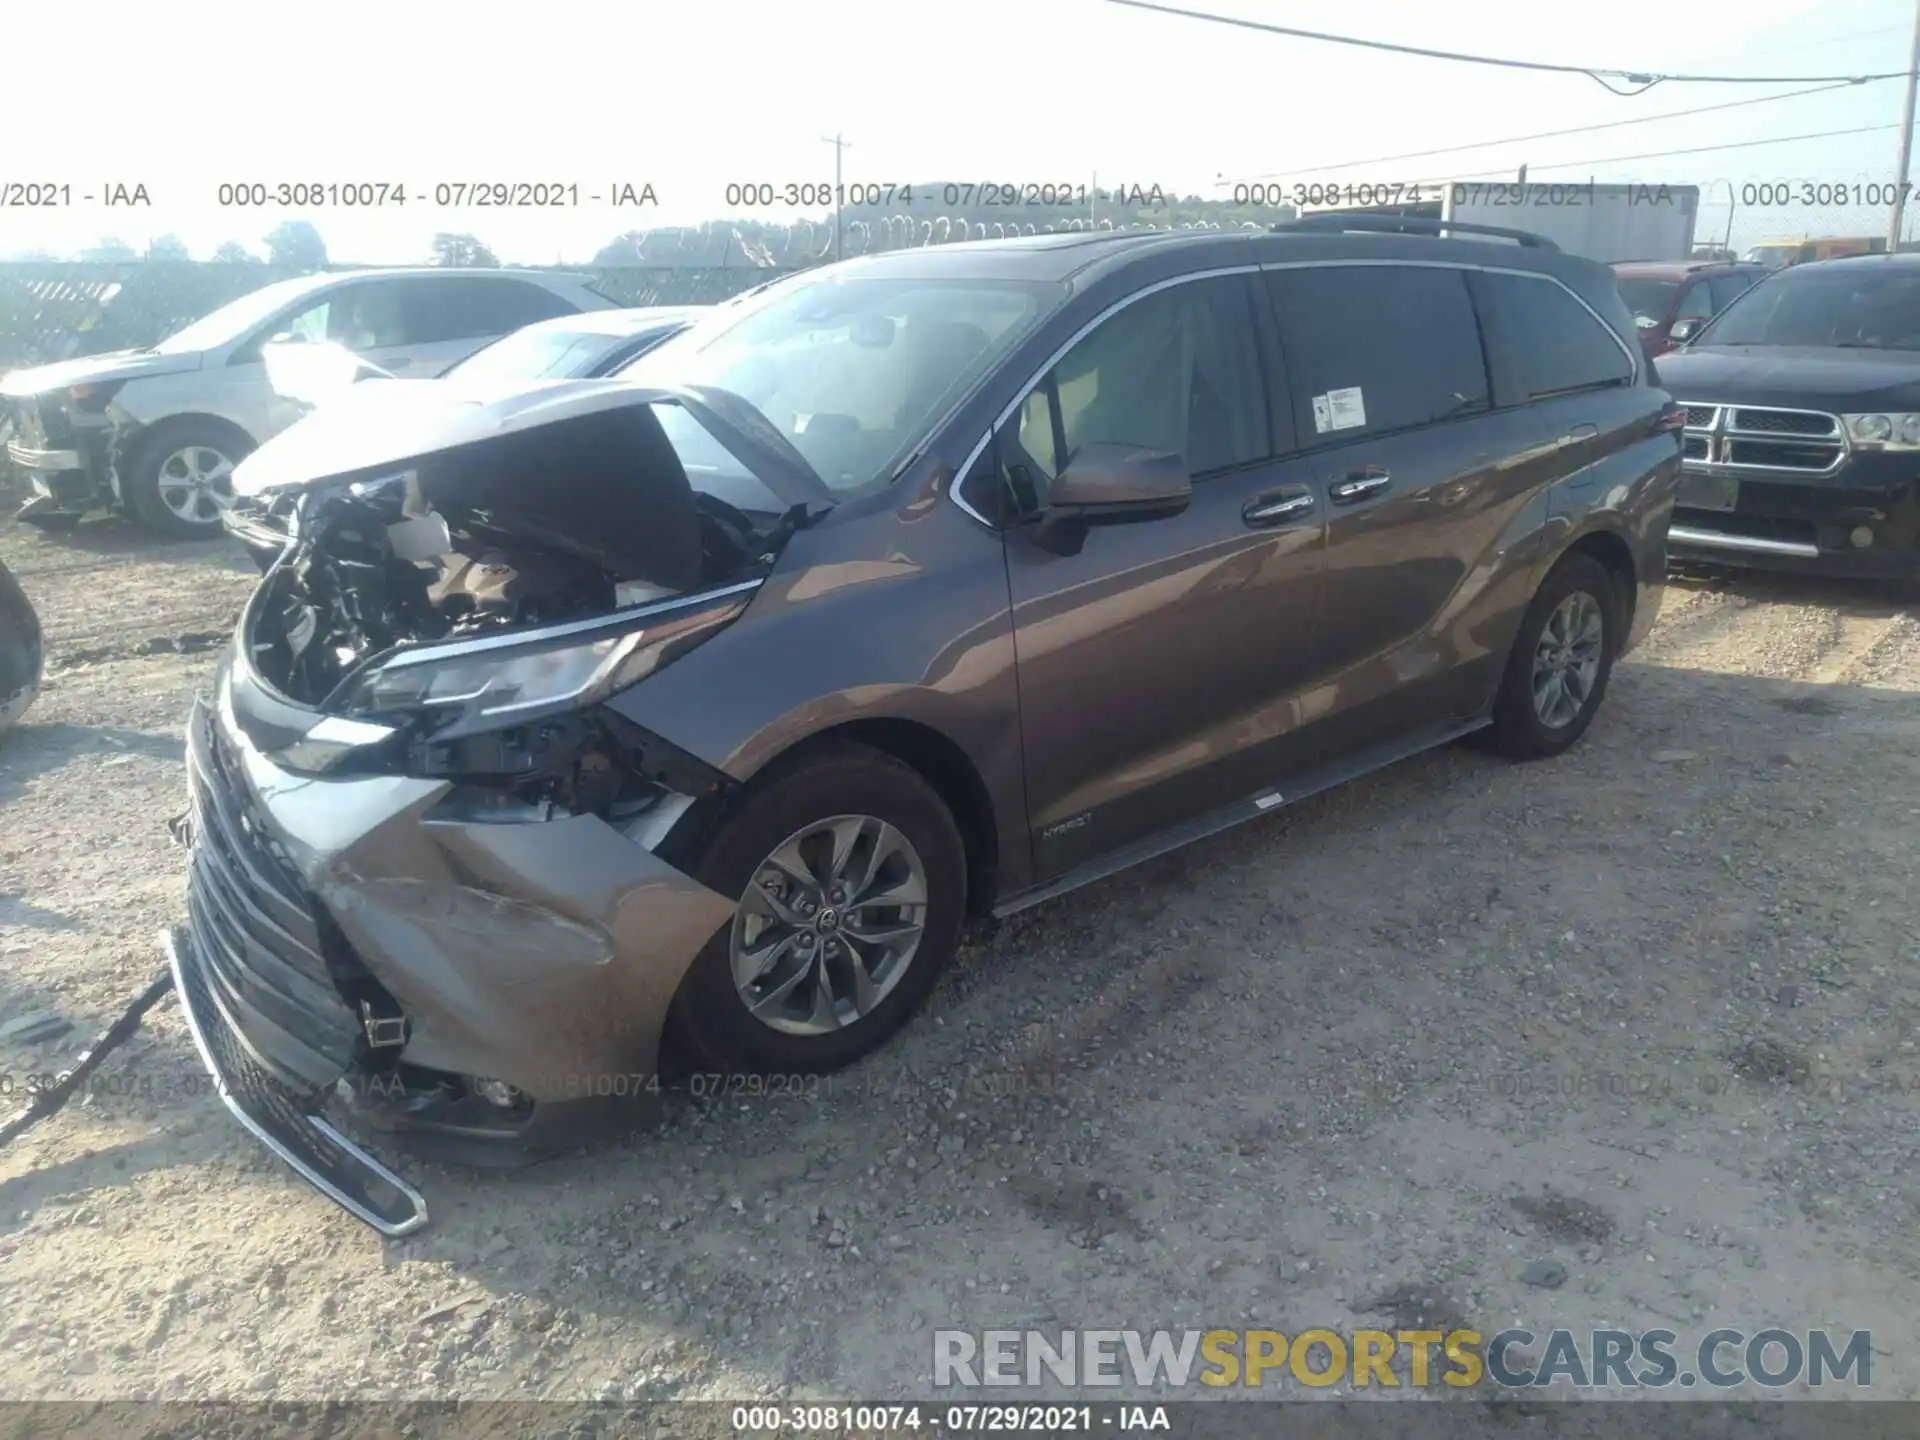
[1802, 440]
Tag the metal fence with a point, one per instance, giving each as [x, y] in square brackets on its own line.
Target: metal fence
[57, 310]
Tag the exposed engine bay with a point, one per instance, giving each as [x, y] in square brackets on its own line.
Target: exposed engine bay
[567, 521]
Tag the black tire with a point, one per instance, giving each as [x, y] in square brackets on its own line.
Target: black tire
[22, 651]
[141, 480]
[1518, 731]
[709, 1024]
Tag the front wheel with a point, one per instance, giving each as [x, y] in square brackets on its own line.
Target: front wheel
[1557, 673]
[850, 878]
[179, 480]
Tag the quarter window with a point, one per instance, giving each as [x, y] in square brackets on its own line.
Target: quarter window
[1177, 371]
[1375, 348]
[1551, 341]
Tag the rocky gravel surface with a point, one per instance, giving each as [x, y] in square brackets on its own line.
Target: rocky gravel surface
[1626, 1039]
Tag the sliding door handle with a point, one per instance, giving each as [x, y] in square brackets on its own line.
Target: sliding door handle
[1358, 485]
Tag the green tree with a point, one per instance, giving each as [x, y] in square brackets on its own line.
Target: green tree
[297, 244]
[168, 247]
[462, 251]
[110, 248]
[232, 252]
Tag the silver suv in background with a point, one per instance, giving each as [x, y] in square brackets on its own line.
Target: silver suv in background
[158, 431]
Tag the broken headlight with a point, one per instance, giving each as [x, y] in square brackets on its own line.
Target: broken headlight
[474, 686]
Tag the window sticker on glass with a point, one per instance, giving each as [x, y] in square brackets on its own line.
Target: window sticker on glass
[1346, 409]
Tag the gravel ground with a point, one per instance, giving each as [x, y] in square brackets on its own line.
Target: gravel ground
[1645, 1011]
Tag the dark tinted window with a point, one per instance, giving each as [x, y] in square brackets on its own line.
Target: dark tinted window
[1372, 348]
[1551, 341]
[1177, 371]
[1868, 305]
[1728, 287]
[1696, 304]
[472, 308]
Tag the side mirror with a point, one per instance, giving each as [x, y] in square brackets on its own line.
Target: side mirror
[1685, 330]
[1111, 485]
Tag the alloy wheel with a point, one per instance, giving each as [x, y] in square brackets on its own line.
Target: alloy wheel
[1566, 660]
[196, 483]
[828, 925]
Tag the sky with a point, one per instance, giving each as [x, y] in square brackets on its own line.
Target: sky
[691, 98]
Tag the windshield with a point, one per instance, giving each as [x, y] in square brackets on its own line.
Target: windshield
[537, 355]
[853, 372]
[1650, 300]
[232, 321]
[1864, 306]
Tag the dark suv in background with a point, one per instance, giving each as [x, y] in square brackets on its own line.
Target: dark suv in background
[1686, 294]
[1803, 423]
[696, 708]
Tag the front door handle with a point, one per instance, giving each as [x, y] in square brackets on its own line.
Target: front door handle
[1277, 507]
[1579, 434]
[1359, 485]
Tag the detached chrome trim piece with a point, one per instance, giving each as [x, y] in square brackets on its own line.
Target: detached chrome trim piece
[1717, 540]
[259, 1132]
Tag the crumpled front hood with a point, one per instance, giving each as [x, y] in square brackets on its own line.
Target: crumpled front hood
[574, 467]
[1797, 377]
[116, 365]
[368, 427]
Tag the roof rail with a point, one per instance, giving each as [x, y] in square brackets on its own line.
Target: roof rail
[1347, 220]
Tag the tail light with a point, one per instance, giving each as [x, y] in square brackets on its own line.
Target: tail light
[1672, 419]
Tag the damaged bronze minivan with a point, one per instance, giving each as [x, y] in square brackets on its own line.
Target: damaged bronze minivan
[695, 709]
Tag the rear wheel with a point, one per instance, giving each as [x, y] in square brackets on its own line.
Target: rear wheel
[850, 879]
[179, 479]
[1557, 673]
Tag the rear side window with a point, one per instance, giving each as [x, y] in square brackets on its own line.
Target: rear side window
[472, 308]
[1550, 341]
[1374, 348]
[1727, 288]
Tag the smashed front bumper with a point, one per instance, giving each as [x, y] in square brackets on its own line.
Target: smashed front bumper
[493, 990]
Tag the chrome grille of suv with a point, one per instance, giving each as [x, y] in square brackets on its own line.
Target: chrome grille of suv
[256, 936]
[1754, 437]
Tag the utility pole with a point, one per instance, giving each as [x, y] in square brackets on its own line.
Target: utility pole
[1906, 140]
[839, 145]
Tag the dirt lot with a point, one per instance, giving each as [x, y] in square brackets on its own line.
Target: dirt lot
[1647, 1011]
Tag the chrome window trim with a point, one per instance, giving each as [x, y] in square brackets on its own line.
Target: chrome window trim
[973, 455]
[1634, 360]
[1634, 364]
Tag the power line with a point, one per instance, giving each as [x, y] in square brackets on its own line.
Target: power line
[1644, 79]
[1695, 150]
[1548, 134]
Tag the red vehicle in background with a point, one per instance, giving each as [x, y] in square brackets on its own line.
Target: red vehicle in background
[1662, 294]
